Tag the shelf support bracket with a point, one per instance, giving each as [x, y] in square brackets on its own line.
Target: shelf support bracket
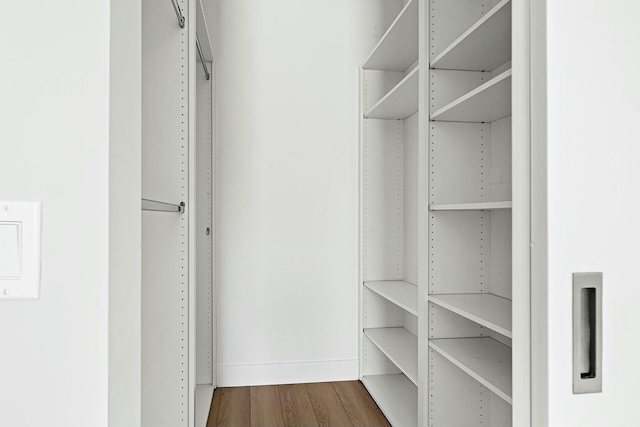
[179, 15]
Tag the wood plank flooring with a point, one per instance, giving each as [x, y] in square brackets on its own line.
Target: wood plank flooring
[336, 404]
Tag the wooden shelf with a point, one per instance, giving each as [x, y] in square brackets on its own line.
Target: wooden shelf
[400, 346]
[487, 310]
[398, 47]
[402, 294]
[483, 47]
[487, 103]
[484, 359]
[481, 206]
[400, 102]
[396, 396]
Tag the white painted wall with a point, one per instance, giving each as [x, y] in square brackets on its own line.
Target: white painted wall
[593, 152]
[54, 116]
[125, 263]
[287, 171]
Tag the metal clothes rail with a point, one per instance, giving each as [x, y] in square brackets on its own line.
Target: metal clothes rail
[153, 205]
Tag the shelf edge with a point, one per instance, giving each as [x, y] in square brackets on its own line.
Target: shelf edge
[471, 206]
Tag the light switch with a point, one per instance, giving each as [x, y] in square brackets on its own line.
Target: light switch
[20, 237]
[10, 236]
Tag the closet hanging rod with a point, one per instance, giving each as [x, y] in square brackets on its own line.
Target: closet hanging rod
[152, 205]
[179, 14]
[204, 64]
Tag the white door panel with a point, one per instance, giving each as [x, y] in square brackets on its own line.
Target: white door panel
[593, 200]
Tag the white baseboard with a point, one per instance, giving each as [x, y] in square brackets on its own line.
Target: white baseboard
[287, 373]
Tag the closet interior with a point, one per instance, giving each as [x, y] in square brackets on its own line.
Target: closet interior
[436, 215]
[178, 261]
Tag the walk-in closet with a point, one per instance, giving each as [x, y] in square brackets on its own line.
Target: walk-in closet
[300, 213]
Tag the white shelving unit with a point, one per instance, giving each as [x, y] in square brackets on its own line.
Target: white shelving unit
[484, 359]
[488, 310]
[390, 126]
[396, 396]
[470, 213]
[398, 47]
[437, 215]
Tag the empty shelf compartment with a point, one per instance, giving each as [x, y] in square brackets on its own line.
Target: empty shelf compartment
[487, 103]
[398, 47]
[400, 346]
[488, 310]
[483, 47]
[484, 359]
[403, 294]
[396, 396]
[400, 102]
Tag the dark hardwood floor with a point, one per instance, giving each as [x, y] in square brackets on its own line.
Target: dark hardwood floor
[336, 404]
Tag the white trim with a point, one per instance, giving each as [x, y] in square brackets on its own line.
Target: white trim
[214, 222]
[423, 212]
[191, 207]
[539, 243]
[521, 213]
[287, 373]
[361, 108]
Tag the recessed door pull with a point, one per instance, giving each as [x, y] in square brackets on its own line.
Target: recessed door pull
[587, 333]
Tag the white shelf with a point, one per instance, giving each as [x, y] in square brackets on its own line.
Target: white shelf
[481, 206]
[400, 346]
[396, 396]
[403, 294]
[487, 103]
[484, 359]
[484, 46]
[400, 102]
[487, 310]
[398, 47]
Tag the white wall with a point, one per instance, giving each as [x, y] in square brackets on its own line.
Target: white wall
[124, 214]
[594, 201]
[54, 116]
[287, 171]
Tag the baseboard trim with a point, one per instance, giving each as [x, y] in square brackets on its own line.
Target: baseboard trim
[287, 373]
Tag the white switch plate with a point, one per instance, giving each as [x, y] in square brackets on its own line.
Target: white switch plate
[20, 237]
